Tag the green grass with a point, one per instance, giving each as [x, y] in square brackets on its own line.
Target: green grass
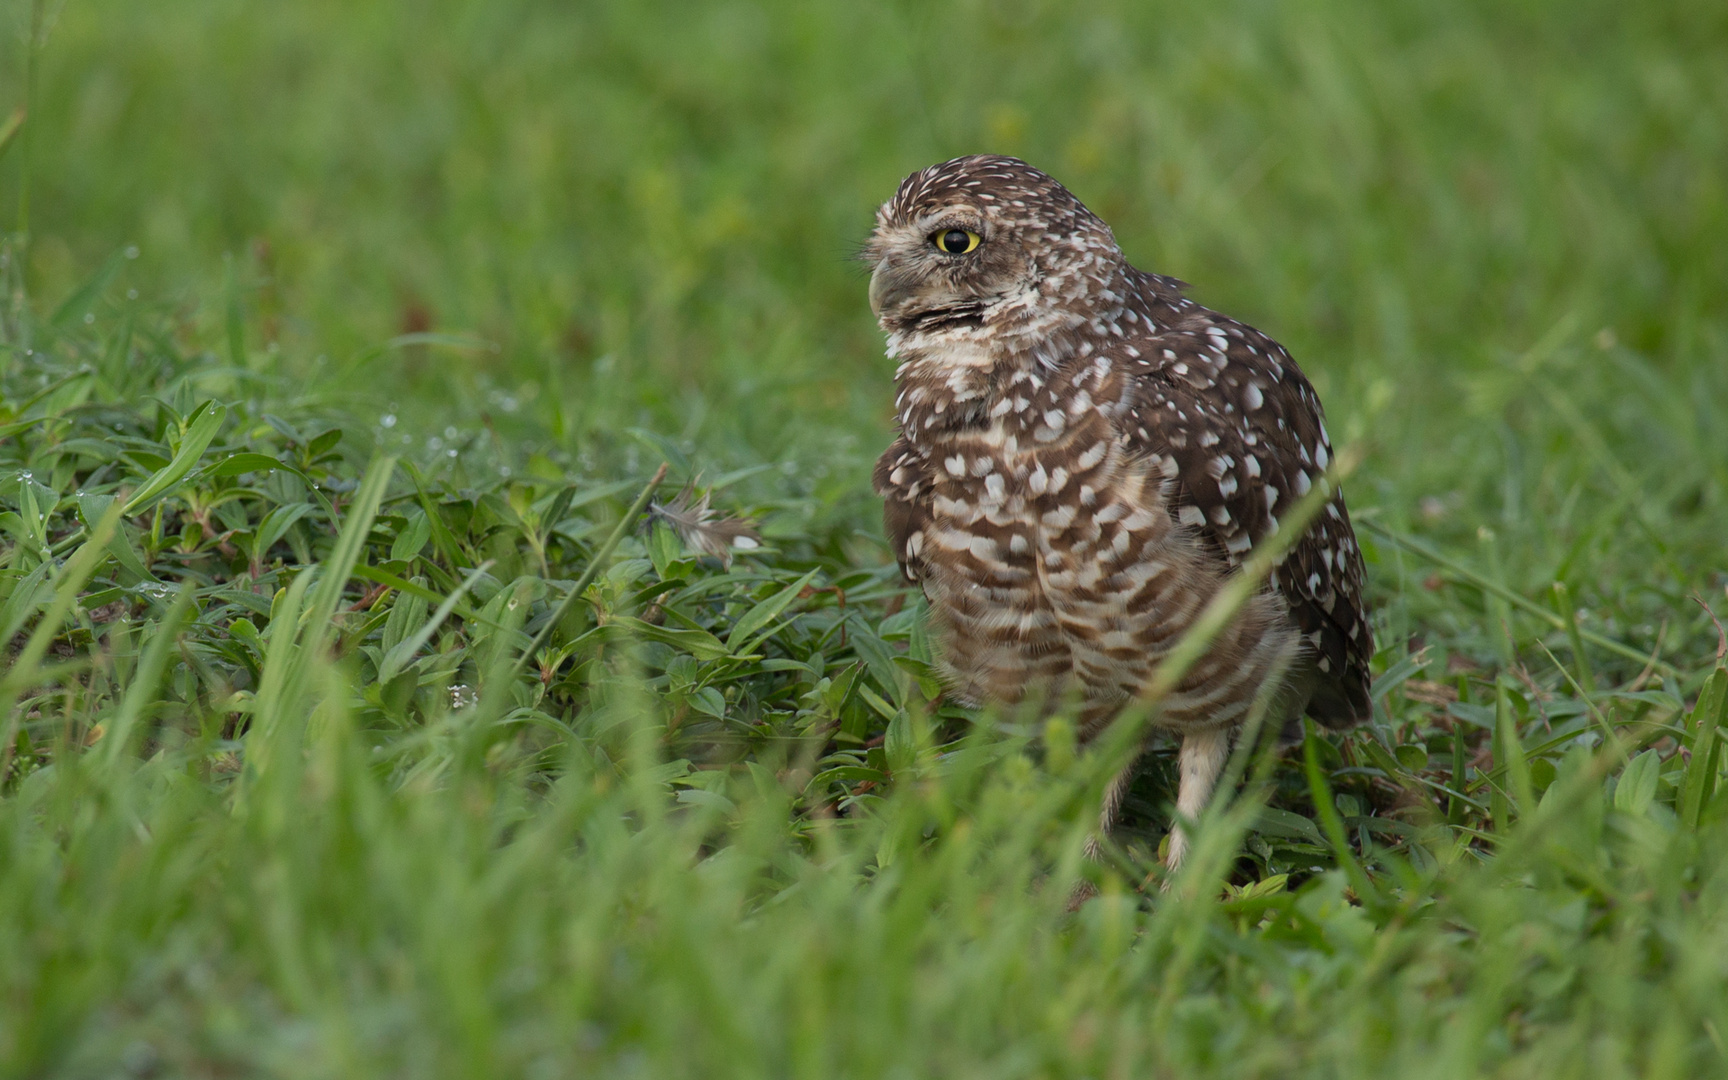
[324, 319]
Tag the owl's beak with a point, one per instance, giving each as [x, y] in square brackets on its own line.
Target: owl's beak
[888, 286]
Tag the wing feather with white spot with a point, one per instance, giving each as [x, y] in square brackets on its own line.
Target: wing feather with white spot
[1233, 425]
[903, 479]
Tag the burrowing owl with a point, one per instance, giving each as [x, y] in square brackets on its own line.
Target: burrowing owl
[1085, 456]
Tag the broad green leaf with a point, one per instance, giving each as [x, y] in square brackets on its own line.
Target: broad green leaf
[412, 538]
[1396, 675]
[1275, 822]
[442, 538]
[92, 508]
[1637, 785]
[710, 702]
[201, 428]
[275, 524]
[9, 430]
[766, 612]
[900, 746]
[845, 774]
[698, 643]
[285, 429]
[1412, 757]
[235, 464]
[1271, 886]
[323, 443]
[244, 630]
[708, 800]
[29, 593]
[877, 655]
[876, 702]
[664, 548]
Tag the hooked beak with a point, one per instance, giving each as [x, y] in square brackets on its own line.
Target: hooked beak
[888, 286]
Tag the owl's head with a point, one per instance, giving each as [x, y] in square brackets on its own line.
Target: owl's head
[982, 248]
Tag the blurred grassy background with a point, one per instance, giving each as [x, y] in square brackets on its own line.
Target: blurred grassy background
[648, 205]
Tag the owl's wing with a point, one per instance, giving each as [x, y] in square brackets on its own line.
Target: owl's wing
[904, 481]
[1224, 414]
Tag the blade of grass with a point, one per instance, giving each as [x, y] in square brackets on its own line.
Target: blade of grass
[146, 679]
[298, 641]
[9, 130]
[1498, 613]
[26, 668]
[1567, 610]
[397, 658]
[385, 577]
[1699, 781]
[1509, 756]
[275, 683]
[1331, 823]
[763, 614]
[1456, 801]
[601, 554]
[339, 567]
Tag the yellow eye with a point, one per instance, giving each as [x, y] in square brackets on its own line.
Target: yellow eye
[956, 241]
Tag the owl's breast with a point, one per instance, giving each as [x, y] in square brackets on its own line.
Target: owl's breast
[1048, 553]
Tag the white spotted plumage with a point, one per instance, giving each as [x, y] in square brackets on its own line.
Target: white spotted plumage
[1098, 454]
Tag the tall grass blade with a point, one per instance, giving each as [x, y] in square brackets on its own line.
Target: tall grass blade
[403, 653]
[595, 564]
[339, 567]
[9, 130]
[1509, 761]
[26, 667]
[1698, 784]
[146, 679]
[1331, 823]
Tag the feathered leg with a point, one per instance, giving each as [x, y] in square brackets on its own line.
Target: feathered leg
[1201, 760]
[1109, 810]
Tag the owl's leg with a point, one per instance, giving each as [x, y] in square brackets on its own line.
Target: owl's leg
[1111, 809]
[1201, 759]
[1108, 812]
